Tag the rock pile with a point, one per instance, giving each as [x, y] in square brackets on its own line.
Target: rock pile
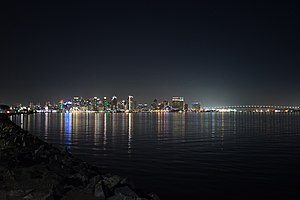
[33, 169]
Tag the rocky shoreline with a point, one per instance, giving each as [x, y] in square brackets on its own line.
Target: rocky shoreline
[33, 169]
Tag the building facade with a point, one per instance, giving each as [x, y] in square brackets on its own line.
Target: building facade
[178, 103]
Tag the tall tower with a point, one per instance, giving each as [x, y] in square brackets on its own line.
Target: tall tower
[130, 103]
[106, 104]
[154, 104]
[76, 101]
[114, 103]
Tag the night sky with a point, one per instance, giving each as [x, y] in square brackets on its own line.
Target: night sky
[215, 52]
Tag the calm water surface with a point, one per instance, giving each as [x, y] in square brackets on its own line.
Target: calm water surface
[185, 155]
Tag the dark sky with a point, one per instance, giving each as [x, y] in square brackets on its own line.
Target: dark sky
[216, 52]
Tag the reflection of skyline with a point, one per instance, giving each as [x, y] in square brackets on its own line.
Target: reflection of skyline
[162, 125]
[96, 129]
[165, 123]
[105, 129]
[68, 129]
[22, 121]
[46, 125]
[130, 130]
[61, 127]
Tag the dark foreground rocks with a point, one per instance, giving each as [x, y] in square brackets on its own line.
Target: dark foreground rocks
[33, 169]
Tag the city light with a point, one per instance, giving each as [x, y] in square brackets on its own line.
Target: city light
[116, 105]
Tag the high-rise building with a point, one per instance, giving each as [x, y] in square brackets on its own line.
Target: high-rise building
[165, 103]
[76, 101]
[106, 104]
[154, 104]
[177, 103]
[130, 103]
[196, 107]
[186, 107]
[121, 106]
[160, 106]
[95, 103]
[61, 104]
[142, 107]
[114, 103]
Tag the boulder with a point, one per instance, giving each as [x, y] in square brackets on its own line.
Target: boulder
[112, 181]
[2, 195]
[153, 196]
[126, 191]
[122, 197]
[77, 194]
[99, 192]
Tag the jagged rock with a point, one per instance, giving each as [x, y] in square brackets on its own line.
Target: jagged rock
[2, 185]
[127, 182]
[93, 181]
[54, 150]
[58, 190]
[84, 178]
[59, 169]
[67, 152]
[36, 174]
[2, 168]
[153, 196]
[73, 181]
[126, 191]
[90, 173]
[67, 162]
[76, 194]
[39, 151]
[2, 195]
[76, 162]
[28, 196]
[121, 197]
[25, 159]
[16, 193]
[112, 181]
[99, 192]
[9, 176]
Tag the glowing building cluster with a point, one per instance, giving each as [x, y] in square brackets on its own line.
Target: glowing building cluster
[105, 104]
[129, 104]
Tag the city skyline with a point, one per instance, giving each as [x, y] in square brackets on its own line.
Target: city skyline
[130, 104]
[147, 101]
[216, 52]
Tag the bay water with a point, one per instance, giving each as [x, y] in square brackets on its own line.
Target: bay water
[184, 155]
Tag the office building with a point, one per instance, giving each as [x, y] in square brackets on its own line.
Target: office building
[196, 107]
[114, 103]
[178, 103]
[130, 105]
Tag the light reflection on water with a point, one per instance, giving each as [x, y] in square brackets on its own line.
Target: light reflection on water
[184, 154]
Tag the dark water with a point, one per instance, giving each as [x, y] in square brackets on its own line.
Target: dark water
[185, 155]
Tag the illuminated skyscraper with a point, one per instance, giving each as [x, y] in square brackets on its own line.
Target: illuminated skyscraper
[106, 104]
[61, 103]
[95, 103]
[122, 105]
[165, 104]
[76, 101]
[177, 103]
[196, 107]
[114, 103]
[154, 104]
[186, 107]
[130, 103]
